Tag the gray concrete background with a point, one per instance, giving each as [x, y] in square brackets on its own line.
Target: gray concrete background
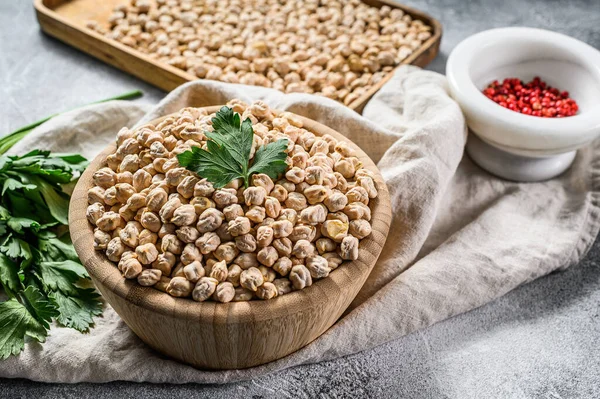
[539, 341]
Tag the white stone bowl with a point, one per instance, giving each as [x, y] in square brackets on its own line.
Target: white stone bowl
[513, 145]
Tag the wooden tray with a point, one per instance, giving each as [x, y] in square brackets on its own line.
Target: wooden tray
[65, 20]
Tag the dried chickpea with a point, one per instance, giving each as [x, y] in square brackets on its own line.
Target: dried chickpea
[267, 291]
[219, 271]
[165, 263]
[303, 232]
[264, 236]
[146, 253]
[239, 226]
[279, 192]
[303, 249]
[334, 229]
[317, 266]
[246, 243]
[315, 194]
[300, 277]
[131, 268]
[256, 214]
[114, 249]
[283, 266]
[149, 277]
[185, 215]
[251, 279]
[226, 252]
[170, 243]
[233, 211]
[109, 221]
[296, 201]
[246, 260]
[283, 246]
[358, 194]
[313, 214]
[242, 294]
[225, 292]
[333, 259]
[283, 285]
[360, 228]
[272, 207]
[349, 248]
[94, 212]
[336, 201]
[233, 274]
[156, 199]
[180, 287]
[190, 254]
[105, 178]
[193, 271]
[208, 242]
[210, 220]
[147, 237]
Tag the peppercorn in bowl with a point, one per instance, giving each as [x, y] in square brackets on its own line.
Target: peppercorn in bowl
[227, 237]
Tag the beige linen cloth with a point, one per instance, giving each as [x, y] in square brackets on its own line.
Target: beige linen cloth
[460, 237]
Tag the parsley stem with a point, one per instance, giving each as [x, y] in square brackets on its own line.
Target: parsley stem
[12, 138]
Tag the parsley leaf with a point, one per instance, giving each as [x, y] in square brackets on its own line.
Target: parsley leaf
[235, 137]
[9, 273]
[61, 276]
[16, 248]
[18, 224]
[270, 159]
[227, 153]
[42, 309]
[78, 311]
[52, 247]
[15, 323]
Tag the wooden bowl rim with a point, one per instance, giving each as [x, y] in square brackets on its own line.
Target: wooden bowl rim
[105, 272]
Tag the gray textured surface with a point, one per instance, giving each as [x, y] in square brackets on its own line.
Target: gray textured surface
[539, 341]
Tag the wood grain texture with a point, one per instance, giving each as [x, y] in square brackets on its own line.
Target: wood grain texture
[237, 334]
[65, 20]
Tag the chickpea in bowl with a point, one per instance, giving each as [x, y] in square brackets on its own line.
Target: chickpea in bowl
[170, 228]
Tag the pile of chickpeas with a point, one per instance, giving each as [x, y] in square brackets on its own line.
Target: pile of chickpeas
[334, 48]
[169, 228]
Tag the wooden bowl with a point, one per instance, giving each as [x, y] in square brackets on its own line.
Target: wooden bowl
[237, 334]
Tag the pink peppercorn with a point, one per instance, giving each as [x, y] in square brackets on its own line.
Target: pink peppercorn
[534, 98]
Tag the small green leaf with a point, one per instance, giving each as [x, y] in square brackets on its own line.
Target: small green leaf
[270, 159]
[4, 213]
[78, 311]
[217, 165]
[56, 248]
[74, 159]
[15, 248]
[18, 224]
[9, 273]
[39, 306]
[12, 185]
[62, 275]
[15, 323]
[228, 149]
[57, 201]
[236, 137]
[4, 163]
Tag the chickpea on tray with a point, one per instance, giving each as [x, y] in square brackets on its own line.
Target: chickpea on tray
[295, 211]
[339, 49]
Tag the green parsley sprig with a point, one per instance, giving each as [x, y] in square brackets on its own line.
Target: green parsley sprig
[40, 273]
[227, 156]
